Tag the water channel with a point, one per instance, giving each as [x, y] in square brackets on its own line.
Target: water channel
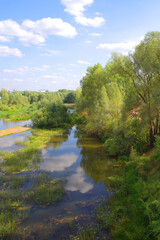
[81, 162]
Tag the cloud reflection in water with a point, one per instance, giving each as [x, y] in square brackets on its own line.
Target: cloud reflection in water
[76, 182]
[57, 163]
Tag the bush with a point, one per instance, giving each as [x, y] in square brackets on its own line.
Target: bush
[50, 115]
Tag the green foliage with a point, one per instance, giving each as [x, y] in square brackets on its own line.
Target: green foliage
[15, 98]
[86, 234]
[120, 103]
[16, 106]
[133, 211]
[14, 196]
[67, 96]
[17, 113]
[45, 192]
[51, 115]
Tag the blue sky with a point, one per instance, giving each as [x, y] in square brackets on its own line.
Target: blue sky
[49, 44]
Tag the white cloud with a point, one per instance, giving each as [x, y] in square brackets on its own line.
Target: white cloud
[35, 32]
[50, 77]
[4, 39]
[73, 64]
[5, 79]
[50, 53]
[5, 51]
[77, 8]
[25, 69]
[19, 71]
[95, 34]
[122, 47]
[40, 69]
[18, 80]
[88, 41]
[50, 26]
[11, 28]
[83, 62]
[90, 22]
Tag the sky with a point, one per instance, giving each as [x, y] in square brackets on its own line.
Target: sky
[49, 44]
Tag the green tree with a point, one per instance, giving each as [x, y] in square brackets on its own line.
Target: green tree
[50, 115]
[143, 67]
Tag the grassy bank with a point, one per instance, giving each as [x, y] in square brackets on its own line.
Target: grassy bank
[16, 199]
[133, 211]
[21, 186]
[18, 113]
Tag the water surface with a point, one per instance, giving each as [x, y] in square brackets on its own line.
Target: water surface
[8, 124]
[80, 161]
[13, 141]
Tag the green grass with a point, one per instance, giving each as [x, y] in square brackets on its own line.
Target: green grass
[15, 182]
[18, 113]
[27, 158]
[42, 190]
[46, 192]
[15, 199]
[133, 211]
[85, 234]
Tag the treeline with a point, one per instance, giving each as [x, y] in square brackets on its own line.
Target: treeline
[31, 97]
[46, 109]
[120, 102]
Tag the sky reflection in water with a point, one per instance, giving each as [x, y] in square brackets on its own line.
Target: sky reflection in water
[65, 161]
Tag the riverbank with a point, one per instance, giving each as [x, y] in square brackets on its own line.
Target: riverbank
[18, 113]
[133, 211]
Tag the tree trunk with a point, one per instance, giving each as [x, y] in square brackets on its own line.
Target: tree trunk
[157, 123]
[151, 136]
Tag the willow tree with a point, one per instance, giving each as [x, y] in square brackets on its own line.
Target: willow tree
[143, 67]
[91, 85]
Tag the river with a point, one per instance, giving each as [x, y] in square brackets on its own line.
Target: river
[81, 162]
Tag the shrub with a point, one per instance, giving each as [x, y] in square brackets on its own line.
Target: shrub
[50, 115]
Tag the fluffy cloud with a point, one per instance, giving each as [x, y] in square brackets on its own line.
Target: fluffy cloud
[77, 8]
[83, 62]
[51, 77]
[6, 51]
[124, 46]
[25, 69]
[50, 26]
[90, 22]
[4, 39]
[35, 32]
[10, 28]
